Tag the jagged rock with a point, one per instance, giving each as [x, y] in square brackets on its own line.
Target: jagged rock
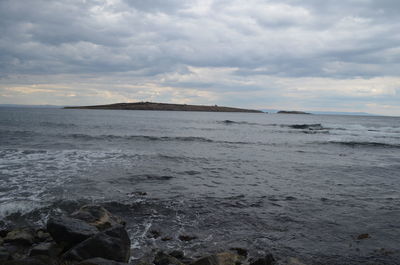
[46, 249]
[98, 216]
[113, 244]
[68, 231]
[268, 259]
[4, 254]
[164, 259]
[224, 258]
[100, 261]
[20, 236]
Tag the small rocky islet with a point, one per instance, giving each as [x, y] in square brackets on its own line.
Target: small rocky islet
[93, 236]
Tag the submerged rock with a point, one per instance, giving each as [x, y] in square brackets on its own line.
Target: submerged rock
[187, 237]
[113, 244]
[69, 231]
[98, 216]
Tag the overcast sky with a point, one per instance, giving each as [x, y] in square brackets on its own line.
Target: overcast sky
[286, 54]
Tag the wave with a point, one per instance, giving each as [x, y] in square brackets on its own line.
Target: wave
[150, 138]
[365, 144]
[316, 126]
[230, 122]
[57, 124]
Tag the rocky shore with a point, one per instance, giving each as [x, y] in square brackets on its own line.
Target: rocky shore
[94, 236]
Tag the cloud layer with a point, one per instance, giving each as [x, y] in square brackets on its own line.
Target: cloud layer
[335, 55]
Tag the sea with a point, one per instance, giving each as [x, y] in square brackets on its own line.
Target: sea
[310, 189]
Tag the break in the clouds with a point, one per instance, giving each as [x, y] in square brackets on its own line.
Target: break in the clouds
[286, 54]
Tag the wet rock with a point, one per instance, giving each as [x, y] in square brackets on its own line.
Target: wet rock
[100, 261]
[241, 251]
[20, 236]
[113, 244]
[45, 249]
[154, 234]
[177, 254]
[225, 258]
[4, 254]
[187, 237]
[164, 259]
[267, 259]
[363, 236]
[65, 230]
[98, 216]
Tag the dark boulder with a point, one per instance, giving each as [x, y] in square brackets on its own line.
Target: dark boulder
[68, 231]
[100, 261]
[113, 244]
[98, 216]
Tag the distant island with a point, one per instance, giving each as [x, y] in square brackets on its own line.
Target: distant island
[164, 107]
[292, 112]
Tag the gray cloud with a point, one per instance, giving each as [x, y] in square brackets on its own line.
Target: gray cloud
[150, 40]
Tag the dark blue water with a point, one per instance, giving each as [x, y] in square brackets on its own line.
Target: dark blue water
[302, 186]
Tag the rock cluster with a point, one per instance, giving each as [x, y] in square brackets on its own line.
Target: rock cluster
[93, 236]
[90, 236]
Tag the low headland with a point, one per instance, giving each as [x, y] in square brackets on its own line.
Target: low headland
[92, 235]
[164, 107]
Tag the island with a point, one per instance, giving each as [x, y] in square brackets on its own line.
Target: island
[164, 107]
[292, 112]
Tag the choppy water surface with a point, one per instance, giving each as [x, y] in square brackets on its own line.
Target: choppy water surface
[302, 186]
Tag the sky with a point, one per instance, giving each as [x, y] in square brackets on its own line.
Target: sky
[282, 54]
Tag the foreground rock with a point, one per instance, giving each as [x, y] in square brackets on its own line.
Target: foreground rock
[113, 244]
[97, 216]
[93, 236]
[68, 231]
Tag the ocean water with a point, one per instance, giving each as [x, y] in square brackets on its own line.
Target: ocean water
[302, 186]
